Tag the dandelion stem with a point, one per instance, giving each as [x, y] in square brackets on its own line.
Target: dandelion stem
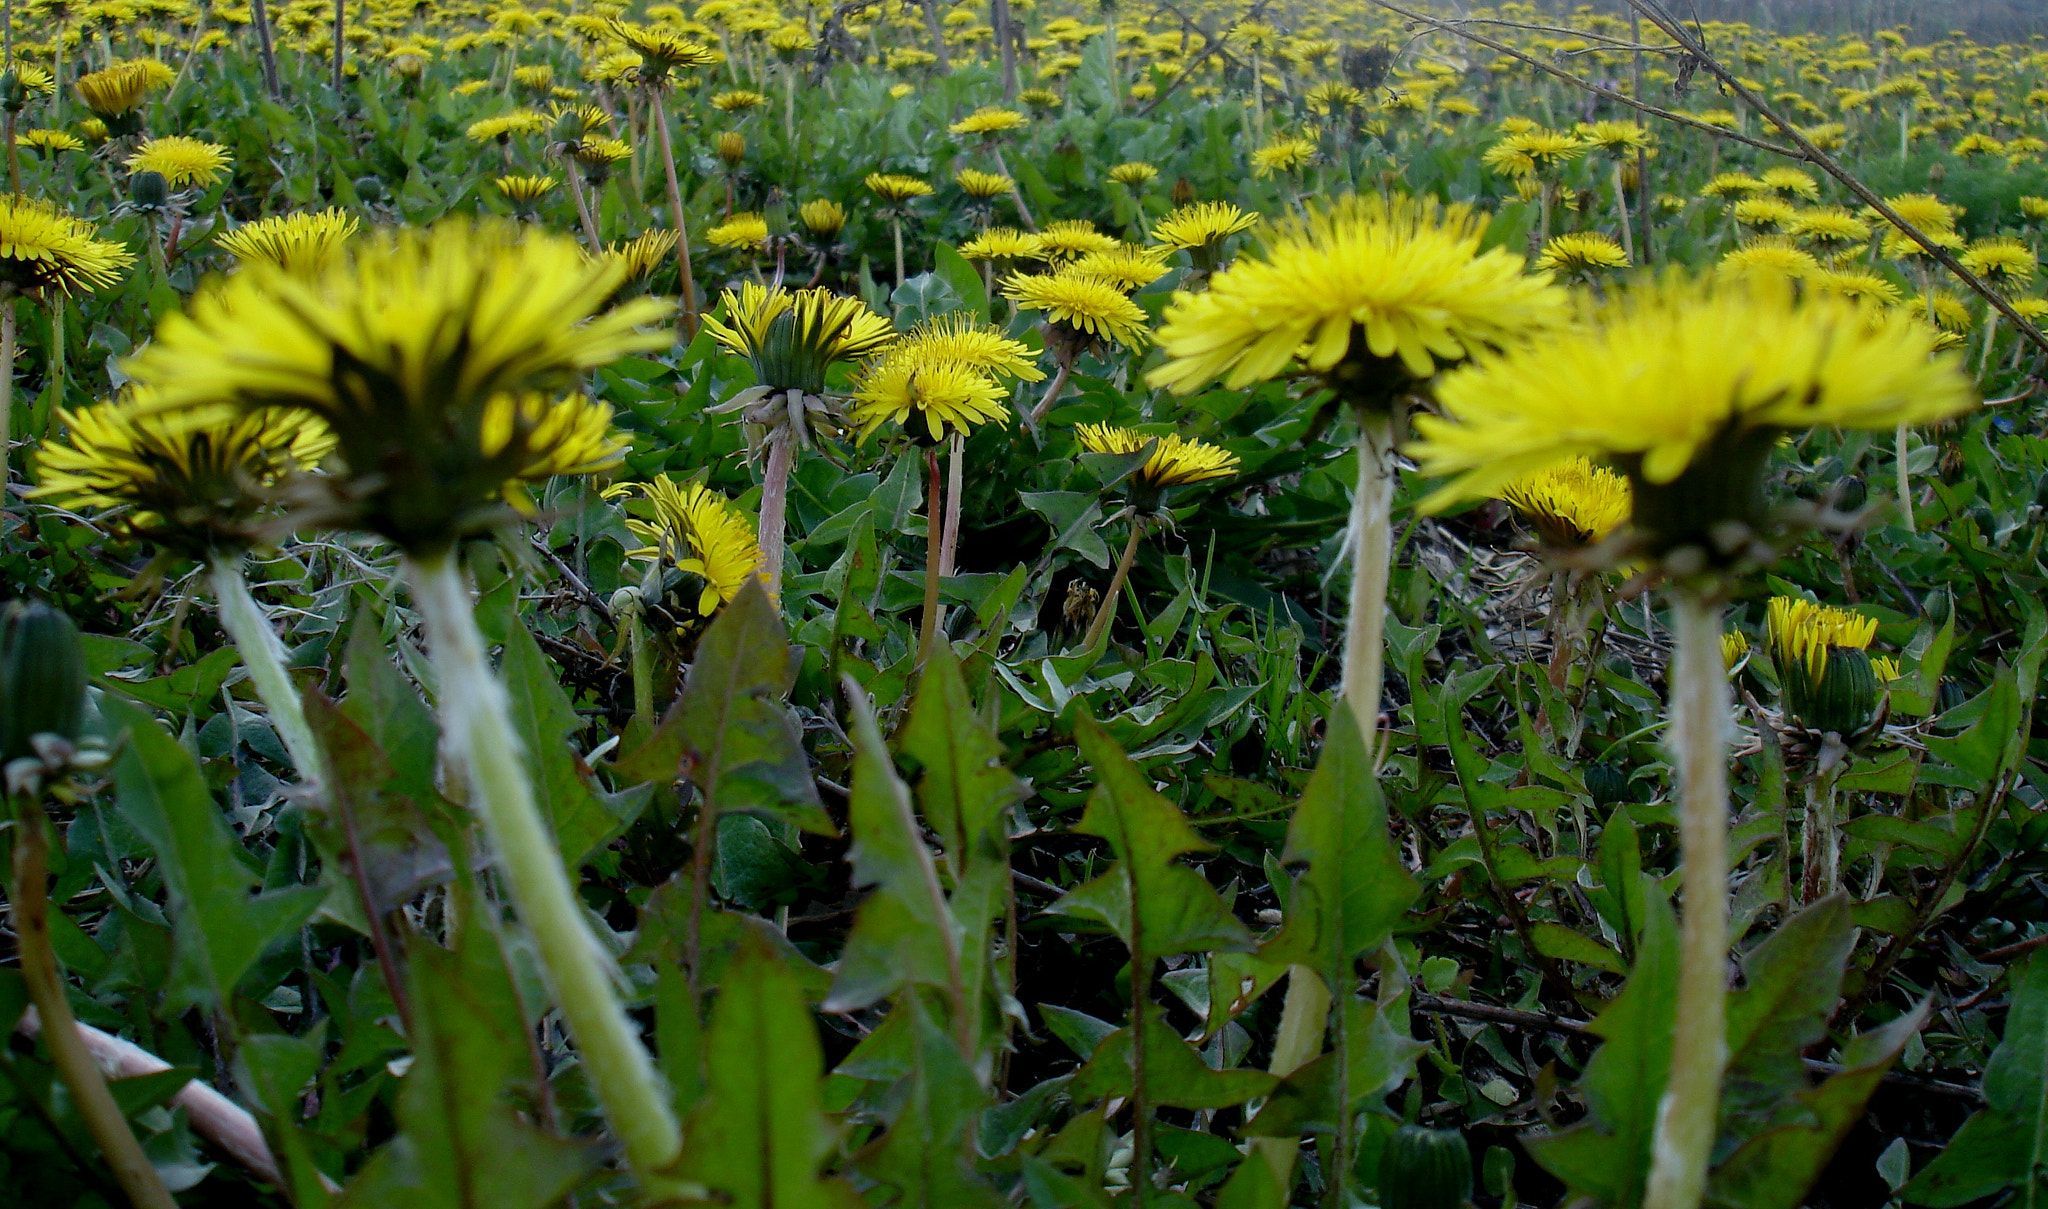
[1628, 235]
[1687, 1114]
[589, 220]
[6, 386]
[1052, 392]
[68, 1053]
[956, 486]
[928, 629]
[1822, 835]
[1372, 505]
[775, 504]
[643, 662]
[263, 654]
[1106, 611]
[687, 284]
[1304, 1018]
[477, 724]
[896, 231]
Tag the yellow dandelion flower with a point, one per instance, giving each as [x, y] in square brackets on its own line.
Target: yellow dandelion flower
[1615, 137]
[296, 243]
[180, 161]
[1403, 279]
[424, 352]
[645, 254]
[1175, 461]
[43, 250]
[982, 185]
[1133, 174]
[961, 339]
[660, 51]
[744, 230]
[502, 127]
[2004, 260]
[1582, 254]
[1126, 267]
[1732, 184]
[114, 92]
[1773, 212]
[1572, 503]
[1791, 182]
[737, 100]
[1202, 225]
[2034, 208]
[525, 191]
[1086, 306]
[195, 488]
[700, 532]
[1532, 152]
[929, 398]
[823, 218]
[794, 337]
[50, 142]
[989, 120]
[1674, 374]
[1829, 226]
[1769, 257]
[1002, 244]
[895, 189]
[1859, 285]
[1802, 635]
[1283, 155]
[1072, 237]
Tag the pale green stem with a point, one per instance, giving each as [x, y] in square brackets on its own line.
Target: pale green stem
[478, 735]
[934, 508]
[1700, 707]
[956, 486]
[264, 655]
[770, 531]
[1304, 1018]
[1823, 834]
[687, 286]
[643, 662]
[6, 387]
[1905, 477]
[1372, 506]
[1628, 235]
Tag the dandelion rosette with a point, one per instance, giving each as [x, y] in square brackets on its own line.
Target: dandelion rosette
[435, 356]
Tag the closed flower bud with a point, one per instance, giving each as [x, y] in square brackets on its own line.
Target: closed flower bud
[42, 678]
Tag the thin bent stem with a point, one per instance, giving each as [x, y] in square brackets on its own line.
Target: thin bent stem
[1106, 611]
[477, 723]
[68, 1052]
[775, 504]
[687, 284]
[264, 655]
[928, 628]
[1372, 505]
[1700, 706]
[583, 213]
[1052, 392]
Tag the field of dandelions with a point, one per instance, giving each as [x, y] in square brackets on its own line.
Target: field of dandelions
[796, 605]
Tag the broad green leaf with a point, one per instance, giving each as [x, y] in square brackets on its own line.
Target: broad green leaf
[1356, 887]
[926, 1157]
[2006, 1144]
[1556, 940]
[904, 932]
[1979, 753]
[276, 1070]
[1155, 905]
[965, 791]
[376, 842]
[1775, 1169]
[730, 732]
[759, 1135]
[390, 712]
[1791, 983]
[1175, 1074]
[1606, 1157]
[222, 925]
[464, 1141]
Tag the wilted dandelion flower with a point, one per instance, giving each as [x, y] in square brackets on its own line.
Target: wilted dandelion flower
[1088, 308]
[700, 532]
[1686, 386]
[1175, 461]
[195, 488]
[1364, 289]
[988, 121]
[1572, 504]
[426, 353]
[297, 243]
[1582, 255]
[43, 250]
[744, 230]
